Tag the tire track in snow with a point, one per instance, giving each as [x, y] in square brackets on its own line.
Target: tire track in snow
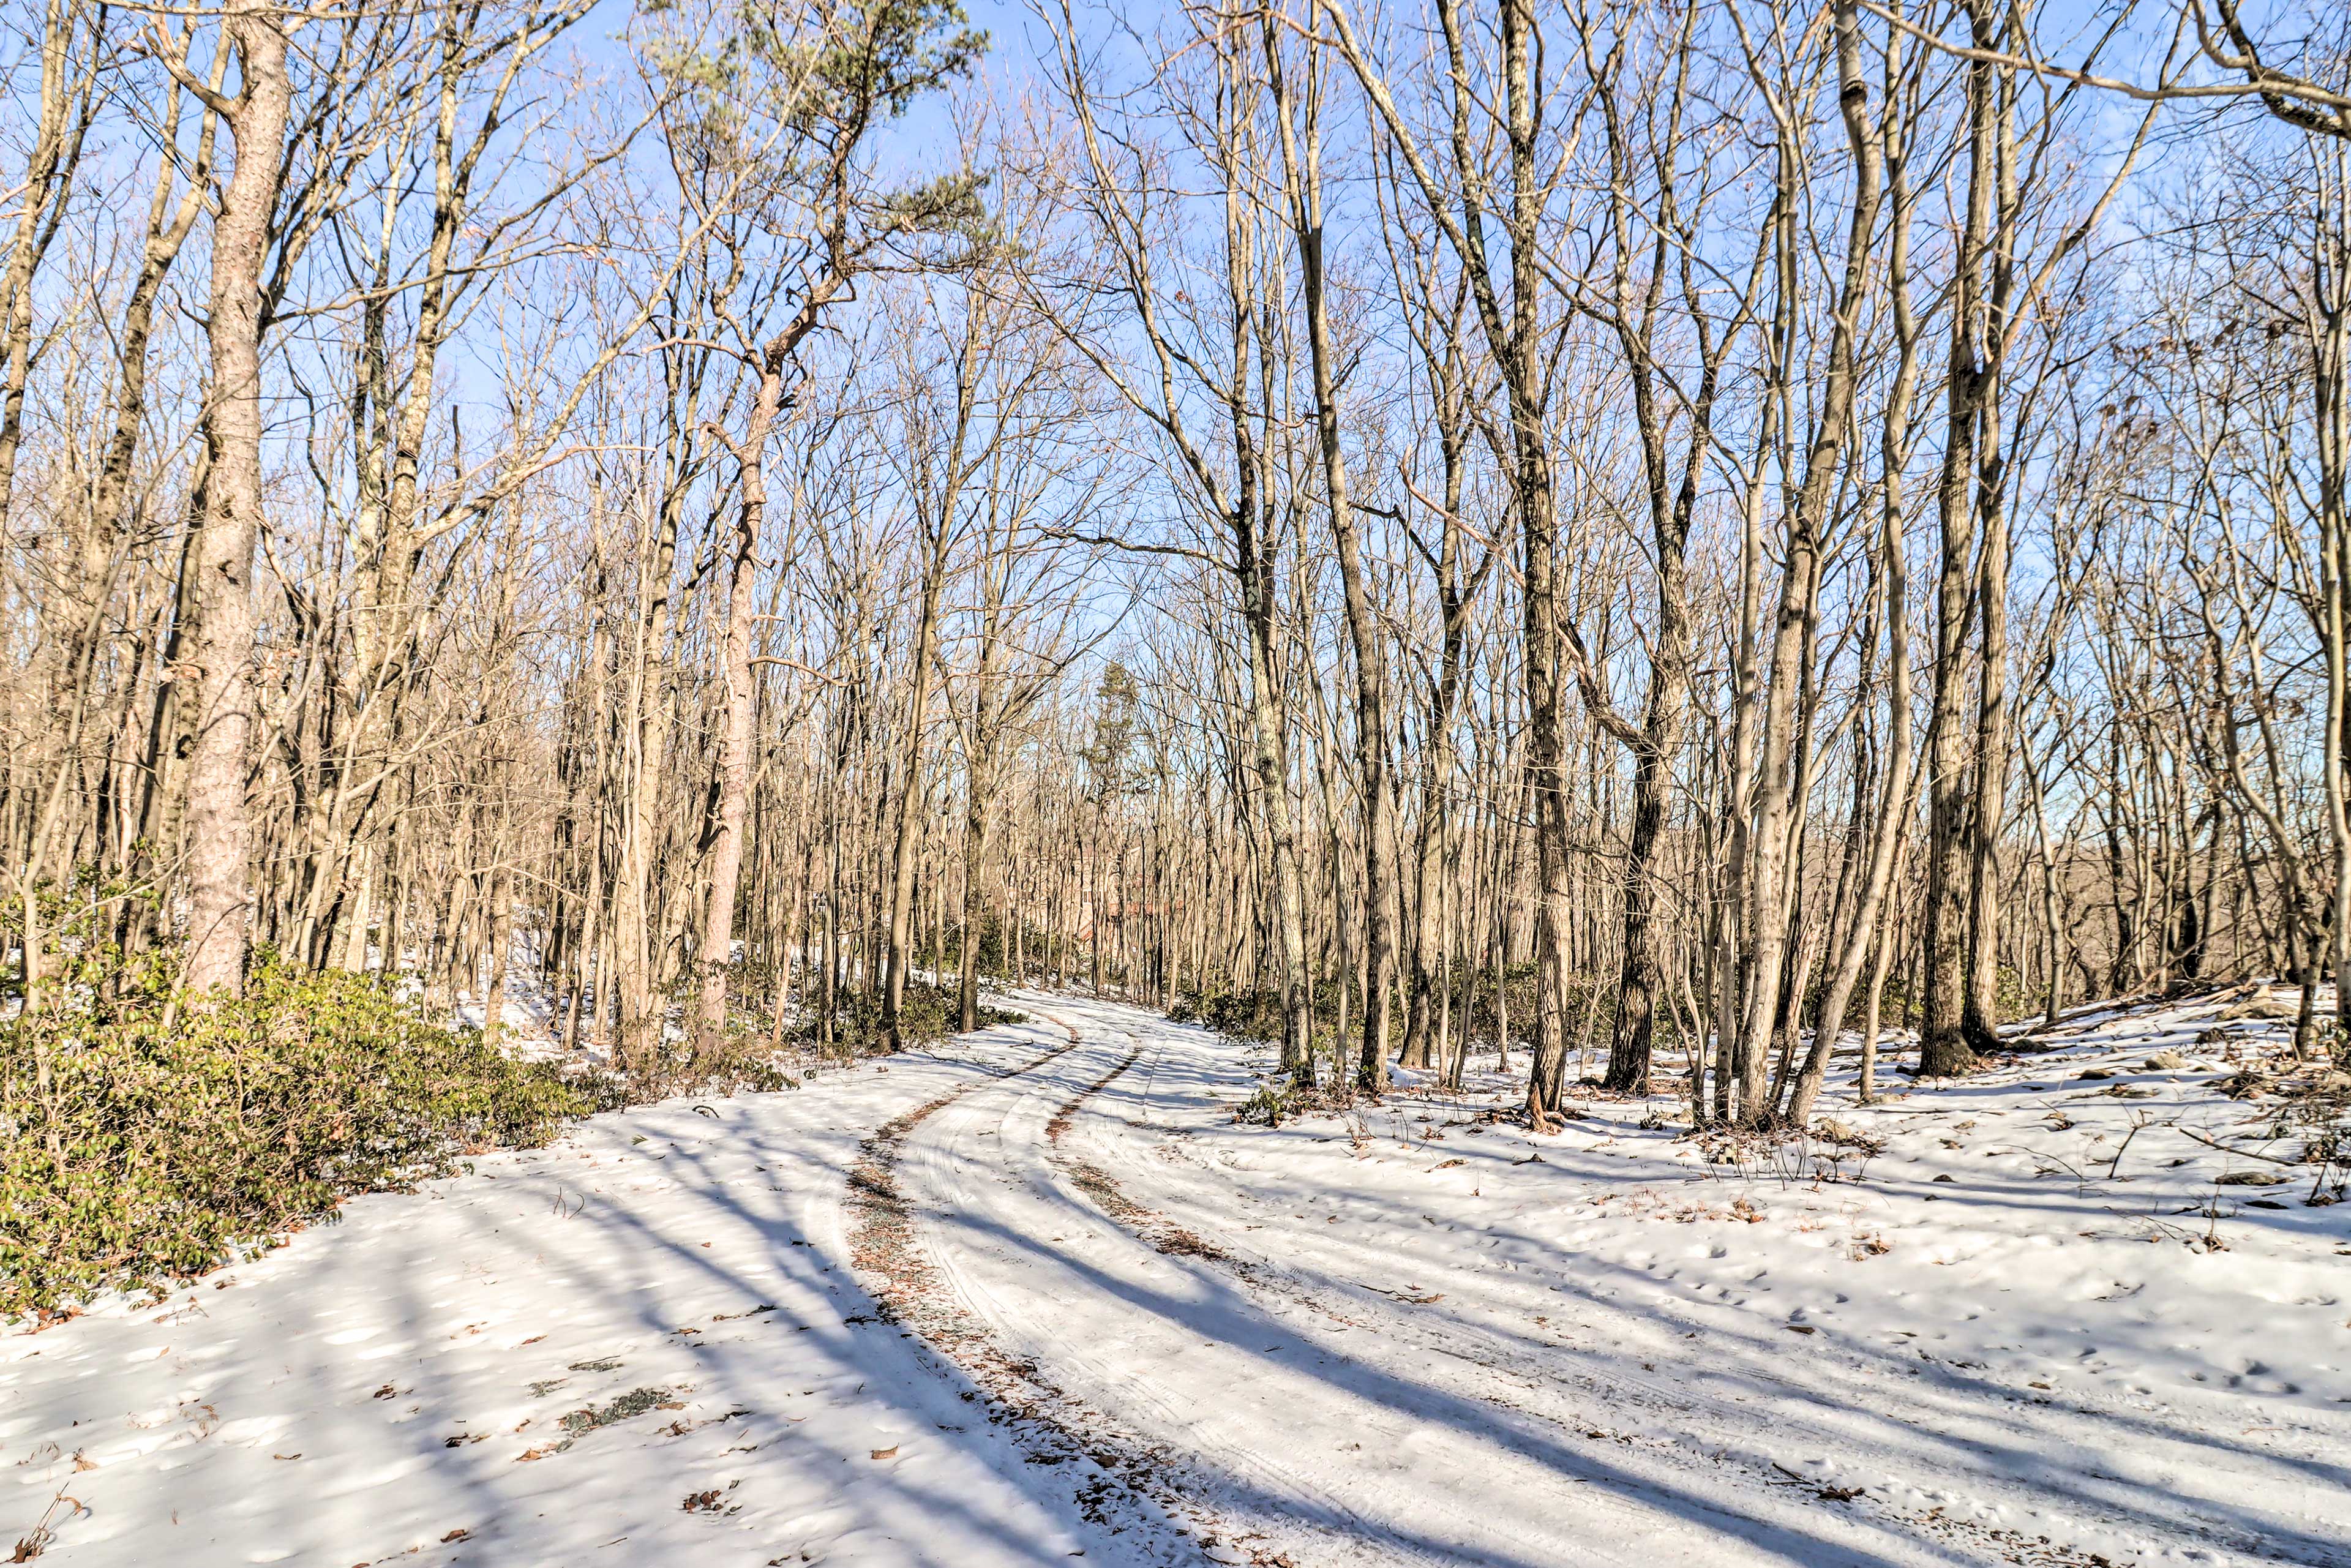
[1250, 1491]
[1164, 1234]
[1261, 1429]
[907, 1290]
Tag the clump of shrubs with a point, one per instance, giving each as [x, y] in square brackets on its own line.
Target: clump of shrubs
[1266, 1107]
[927, 1014]
[1236, 1015]
[742, 1062]
[143, 1140]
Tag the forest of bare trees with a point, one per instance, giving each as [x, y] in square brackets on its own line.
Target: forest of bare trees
[1647, 536]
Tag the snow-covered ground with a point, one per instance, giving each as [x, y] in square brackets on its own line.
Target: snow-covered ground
[1038, 1296]
[395, 1387]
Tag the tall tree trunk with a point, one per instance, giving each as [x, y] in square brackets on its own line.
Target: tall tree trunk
[219, 831]
[1778, 807]
[907, 808]
[1944, 1046]
[737, 704]
[979, 787]
[1302, 180]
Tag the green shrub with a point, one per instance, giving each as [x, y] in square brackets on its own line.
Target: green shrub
[146, 1143]
[926, 1015]
[1240, 1014]
[1266, 1108]
[743, 1062]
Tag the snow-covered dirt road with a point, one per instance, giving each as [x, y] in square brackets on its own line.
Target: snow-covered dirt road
[1352, 1352]
[1037, 1296]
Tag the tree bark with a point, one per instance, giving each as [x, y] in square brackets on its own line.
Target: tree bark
[218, 827]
